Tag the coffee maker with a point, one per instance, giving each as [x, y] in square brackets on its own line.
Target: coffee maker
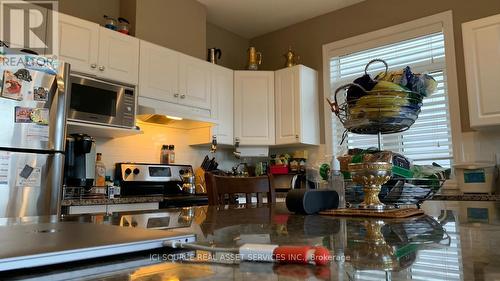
[79, 168]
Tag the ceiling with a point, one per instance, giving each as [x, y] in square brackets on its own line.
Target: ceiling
[251, 18]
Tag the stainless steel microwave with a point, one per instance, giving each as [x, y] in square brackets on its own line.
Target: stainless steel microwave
[101, 102]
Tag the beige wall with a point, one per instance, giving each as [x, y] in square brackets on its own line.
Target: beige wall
[91, 10]
[234, 47]
[307, 38]
[177, 24]
[127, 10]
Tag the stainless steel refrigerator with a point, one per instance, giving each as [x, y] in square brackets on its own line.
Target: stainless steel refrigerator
[33, 103]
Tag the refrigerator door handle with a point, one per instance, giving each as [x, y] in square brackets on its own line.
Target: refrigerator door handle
[61, 101]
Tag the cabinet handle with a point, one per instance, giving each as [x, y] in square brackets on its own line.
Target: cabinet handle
[176, 95]
[297, 136]
[101, 68]
[93, 66]
[183, 96]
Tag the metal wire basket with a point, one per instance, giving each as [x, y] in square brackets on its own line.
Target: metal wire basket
[398, 191]
[377, 111]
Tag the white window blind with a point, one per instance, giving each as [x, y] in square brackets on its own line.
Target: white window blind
[429, 139]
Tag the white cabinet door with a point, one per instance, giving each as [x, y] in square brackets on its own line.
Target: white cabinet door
[158, 72]
[79, 43]
[118, 56]
[194, 82]
[222, 105]
[297, 110]
[287, 97]
[309, 106]
[254, 107]
[481, 40]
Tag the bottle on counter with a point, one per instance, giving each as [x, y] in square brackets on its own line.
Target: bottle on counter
[117, 190]
[110, 188]
[100, 171]
[337, 182]
[164, 154]
[171, 154]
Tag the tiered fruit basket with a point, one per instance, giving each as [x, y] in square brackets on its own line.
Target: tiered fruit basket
[375, 112]
[385, 109]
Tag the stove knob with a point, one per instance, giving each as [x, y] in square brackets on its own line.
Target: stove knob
[136, 171]
[128, 171]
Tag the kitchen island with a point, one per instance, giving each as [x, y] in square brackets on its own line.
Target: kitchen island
[453, 241]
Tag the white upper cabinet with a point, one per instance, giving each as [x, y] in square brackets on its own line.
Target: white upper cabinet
[254, 107]
[194, 82]
[118, 56]
[170, 76]
[94, 50]
[297, 111]
[481, 40]
[159, 72]
[221, 110]
[222, 96]
[79, 43]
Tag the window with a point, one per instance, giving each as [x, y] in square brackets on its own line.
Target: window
[429, 139]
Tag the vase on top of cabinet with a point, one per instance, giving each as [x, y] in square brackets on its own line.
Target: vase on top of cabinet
[292, 58]
[254, 59]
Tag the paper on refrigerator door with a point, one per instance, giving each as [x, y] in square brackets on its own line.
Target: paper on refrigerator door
[37, 132]
[4, 168]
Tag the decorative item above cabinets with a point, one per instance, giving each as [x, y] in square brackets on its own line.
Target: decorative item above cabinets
[97, 51]
[292, 58]
[481, 39]
[254, 59]
[297, 105]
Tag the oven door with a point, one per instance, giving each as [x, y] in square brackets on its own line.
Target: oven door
[101, 102]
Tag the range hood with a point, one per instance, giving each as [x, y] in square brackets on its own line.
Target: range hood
[173, 115]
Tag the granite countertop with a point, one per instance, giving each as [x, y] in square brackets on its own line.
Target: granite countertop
[455, 240]
[103, 200]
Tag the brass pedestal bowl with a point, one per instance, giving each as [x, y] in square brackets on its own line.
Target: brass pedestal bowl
[372, 176]
[374, 252]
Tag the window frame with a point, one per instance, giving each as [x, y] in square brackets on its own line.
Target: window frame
[420, 27]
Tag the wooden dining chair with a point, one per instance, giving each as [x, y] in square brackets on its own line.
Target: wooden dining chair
[220, 186]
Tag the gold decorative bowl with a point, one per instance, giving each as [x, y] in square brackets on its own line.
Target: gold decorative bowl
[373, 253]
[372, 176]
